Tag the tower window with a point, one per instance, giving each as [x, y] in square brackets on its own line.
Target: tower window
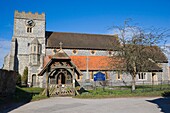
[34, 48]
[29, 29]
[34, 59]
[38, 58]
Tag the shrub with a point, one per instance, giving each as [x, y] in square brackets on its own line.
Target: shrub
[18, 80]
[25, 76]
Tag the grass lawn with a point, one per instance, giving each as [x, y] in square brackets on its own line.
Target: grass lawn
[125, 91]
[28, 94]
[23, 95]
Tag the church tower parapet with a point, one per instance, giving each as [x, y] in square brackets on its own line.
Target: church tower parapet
[31, 15]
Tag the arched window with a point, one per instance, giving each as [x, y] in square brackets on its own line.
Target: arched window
[29, 29]
[119, 75]
[34, 48]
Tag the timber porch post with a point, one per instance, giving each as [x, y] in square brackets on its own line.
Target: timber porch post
[47, 83]
[74, 90]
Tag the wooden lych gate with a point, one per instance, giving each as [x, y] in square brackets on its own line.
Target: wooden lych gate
[61, 81]
[60, 74]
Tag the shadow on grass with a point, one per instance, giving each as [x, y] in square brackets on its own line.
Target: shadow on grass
[80, 89]
[163, 103]
[21, 97]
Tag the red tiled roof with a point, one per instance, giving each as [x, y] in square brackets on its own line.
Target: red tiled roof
[96, 62]
[101, 63]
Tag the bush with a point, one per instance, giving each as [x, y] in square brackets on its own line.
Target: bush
[25, 76]
[18, 80]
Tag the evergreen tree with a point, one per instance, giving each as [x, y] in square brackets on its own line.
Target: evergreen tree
[18, 80]
[25, 76]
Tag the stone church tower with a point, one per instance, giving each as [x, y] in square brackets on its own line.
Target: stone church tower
[28, 44]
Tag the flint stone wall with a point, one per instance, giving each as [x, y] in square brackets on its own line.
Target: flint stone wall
[7, 82]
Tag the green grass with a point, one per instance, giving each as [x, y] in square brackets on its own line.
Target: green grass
[28, 94]
[125, 91]
[22, 95]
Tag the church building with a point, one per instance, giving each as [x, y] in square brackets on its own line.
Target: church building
[65, 58]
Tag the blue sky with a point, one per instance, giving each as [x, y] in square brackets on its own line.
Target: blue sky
[84, 16]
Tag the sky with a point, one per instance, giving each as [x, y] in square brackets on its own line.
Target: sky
[83, 16]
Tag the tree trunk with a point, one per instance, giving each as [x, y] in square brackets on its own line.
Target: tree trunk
[134, 77]
[133, 83]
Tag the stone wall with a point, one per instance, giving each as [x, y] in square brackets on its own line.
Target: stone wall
[125, 78]
[165, 68]
[7, 82]
[23, 61]
[6, 62]
[20, 28]
[81, 52]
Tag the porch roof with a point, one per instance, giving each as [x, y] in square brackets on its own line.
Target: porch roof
[61, 55]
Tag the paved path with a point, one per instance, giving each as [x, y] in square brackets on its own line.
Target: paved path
[113, 105]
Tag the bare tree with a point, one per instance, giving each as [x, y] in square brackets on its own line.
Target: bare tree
[135, 45]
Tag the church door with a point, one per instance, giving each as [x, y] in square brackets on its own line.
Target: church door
[61, 79]
[33, 80]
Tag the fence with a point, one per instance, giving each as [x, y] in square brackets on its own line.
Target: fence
[121, 85]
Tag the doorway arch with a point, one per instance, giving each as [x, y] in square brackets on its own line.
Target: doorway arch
[61, 81]
[61, 78]
[34, 80]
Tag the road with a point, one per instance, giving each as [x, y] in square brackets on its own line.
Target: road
[111, 105]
